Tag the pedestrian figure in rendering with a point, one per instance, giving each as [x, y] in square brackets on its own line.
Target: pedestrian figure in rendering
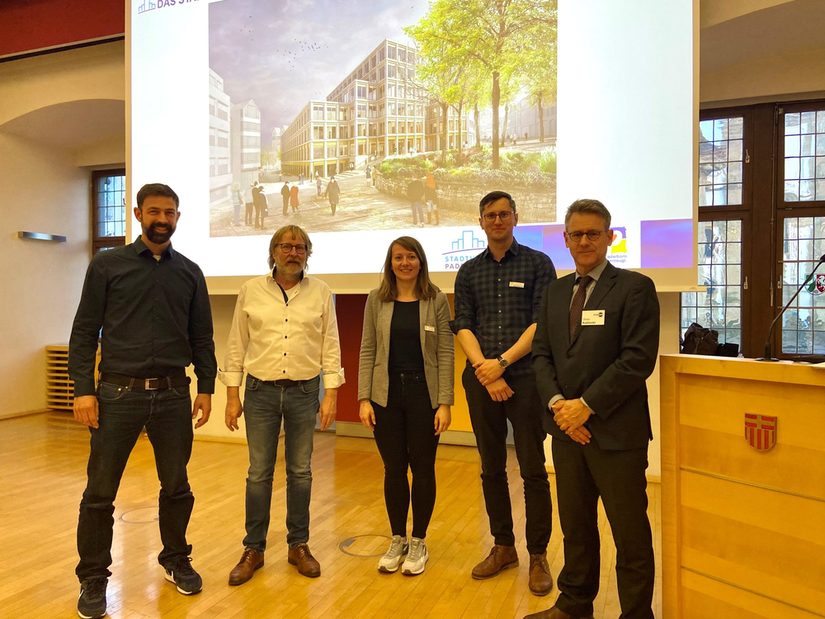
[293, 198]
[285, 198]
[249, 204]
[333, 193]
[259, 199]
[415, 194]
[237, 203]
[430, 197]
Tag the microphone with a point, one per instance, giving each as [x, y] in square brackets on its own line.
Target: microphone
[768, 343]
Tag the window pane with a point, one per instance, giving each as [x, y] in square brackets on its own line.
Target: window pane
[803, 331]
[791, 124]
[804, 140]
[109, 207]
[719, 270]
[720, 162]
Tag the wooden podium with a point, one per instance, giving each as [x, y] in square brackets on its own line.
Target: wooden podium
[743, 530]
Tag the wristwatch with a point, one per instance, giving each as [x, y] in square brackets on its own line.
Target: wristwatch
[502, 361]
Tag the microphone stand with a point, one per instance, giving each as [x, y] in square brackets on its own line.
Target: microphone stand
[768, 344]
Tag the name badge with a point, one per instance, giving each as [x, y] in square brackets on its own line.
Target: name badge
[516, 284]
[429, 328]
[592, 318]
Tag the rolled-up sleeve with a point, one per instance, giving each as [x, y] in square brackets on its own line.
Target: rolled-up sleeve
[233, 368]
[331, 369]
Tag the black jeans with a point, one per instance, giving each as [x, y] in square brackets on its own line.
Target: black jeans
[405, 436]
[167, 416]
[489, 419]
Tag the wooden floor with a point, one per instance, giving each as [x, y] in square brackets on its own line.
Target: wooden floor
[42, 475]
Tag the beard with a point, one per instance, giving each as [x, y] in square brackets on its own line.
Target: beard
[159, 234]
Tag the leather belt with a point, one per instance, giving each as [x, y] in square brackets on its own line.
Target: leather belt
[283, 382]
[159, 383]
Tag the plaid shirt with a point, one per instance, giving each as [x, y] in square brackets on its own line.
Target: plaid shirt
[497, 301]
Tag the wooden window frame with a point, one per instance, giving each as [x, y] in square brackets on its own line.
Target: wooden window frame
[99, 242]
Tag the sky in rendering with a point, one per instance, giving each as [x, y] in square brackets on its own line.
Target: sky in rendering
[282, 54]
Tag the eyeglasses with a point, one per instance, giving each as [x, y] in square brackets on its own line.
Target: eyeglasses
[592, 235]
[503, 216]
[288, 247]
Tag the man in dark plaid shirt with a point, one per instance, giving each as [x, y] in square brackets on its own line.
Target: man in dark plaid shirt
[497, 300]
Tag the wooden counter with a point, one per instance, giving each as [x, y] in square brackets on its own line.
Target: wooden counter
[743, 530]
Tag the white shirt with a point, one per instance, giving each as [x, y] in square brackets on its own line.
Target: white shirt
[273, 339]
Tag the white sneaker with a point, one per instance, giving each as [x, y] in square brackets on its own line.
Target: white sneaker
[416, 559]
[393, 558]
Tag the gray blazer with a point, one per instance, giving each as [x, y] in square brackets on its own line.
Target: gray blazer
[436, 346]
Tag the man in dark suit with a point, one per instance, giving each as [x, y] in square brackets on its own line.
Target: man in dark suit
[596, 343]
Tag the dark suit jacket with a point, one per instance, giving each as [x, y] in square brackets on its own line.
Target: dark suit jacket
[608, 364]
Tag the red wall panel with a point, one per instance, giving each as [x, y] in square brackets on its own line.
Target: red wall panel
[27, 25]
[350, 311]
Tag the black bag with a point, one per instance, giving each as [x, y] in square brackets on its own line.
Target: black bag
[700, 341]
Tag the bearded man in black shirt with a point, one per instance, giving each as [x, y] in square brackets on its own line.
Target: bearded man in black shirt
[150, 307]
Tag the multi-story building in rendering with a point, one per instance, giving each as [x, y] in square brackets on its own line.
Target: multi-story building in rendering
[377, 111]
[220, 174]
[245, 125]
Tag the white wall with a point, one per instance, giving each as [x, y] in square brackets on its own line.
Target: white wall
[46, 189]
[43, 192]
[774, 78]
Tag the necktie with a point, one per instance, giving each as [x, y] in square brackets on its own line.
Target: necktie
[577, 305]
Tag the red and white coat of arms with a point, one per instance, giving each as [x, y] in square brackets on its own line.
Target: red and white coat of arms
[760, 431]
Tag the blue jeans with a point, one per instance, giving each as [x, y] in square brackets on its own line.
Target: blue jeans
[167, 417]
[265, 406]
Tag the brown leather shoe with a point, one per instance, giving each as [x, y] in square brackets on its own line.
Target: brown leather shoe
[302, 558]
[541, 581]
[555, 613]
[500, 558]
[251, 560]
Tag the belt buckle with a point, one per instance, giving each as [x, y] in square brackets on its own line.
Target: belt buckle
[151, 384]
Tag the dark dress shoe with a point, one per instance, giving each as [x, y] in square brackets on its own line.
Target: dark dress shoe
[555, 613]
[500, 558]
[302, 558]
[251, 560]
[541, 581]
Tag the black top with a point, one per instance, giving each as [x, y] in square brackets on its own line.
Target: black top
[155, 318]
[497, 301]
[405, 338]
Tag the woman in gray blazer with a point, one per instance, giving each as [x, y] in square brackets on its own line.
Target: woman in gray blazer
[405, 389]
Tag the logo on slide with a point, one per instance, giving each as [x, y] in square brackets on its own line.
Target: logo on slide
[617, 253]
[151, 5]
[760, 431]
[465, 247]
[619, 245]
[817, 286]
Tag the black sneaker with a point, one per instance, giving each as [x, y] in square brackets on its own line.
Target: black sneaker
[186, 579]
[92, 601]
